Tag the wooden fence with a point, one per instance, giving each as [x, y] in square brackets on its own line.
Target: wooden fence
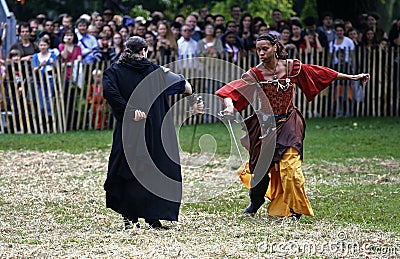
[47, 102]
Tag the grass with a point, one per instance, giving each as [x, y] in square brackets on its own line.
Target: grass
[52, 202]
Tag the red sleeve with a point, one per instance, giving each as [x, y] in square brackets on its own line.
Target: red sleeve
[240, 91]
[312, 79]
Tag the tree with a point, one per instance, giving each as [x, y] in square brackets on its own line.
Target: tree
[261, 8]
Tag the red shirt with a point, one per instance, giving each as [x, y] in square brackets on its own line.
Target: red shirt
[311, 79]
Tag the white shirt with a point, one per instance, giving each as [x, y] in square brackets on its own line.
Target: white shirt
[342, 50]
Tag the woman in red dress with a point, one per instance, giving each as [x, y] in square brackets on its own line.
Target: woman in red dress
[274, 80]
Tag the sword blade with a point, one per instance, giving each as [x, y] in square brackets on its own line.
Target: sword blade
[234, 140]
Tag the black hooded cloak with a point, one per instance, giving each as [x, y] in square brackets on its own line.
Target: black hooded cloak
[144, 175]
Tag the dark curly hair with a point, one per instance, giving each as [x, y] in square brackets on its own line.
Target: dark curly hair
[133, 46]
[281, 50]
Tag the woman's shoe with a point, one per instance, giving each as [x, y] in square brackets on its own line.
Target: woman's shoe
[295, 215]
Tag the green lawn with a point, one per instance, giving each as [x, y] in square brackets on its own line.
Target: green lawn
[351, 166]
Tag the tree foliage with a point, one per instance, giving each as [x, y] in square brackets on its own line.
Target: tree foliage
[310, 9]
[261, 8]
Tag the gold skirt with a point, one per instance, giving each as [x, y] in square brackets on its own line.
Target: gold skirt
[286, 186]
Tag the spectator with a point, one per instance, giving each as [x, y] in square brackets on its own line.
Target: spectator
[108, 30]
[316, 37]
[191, 22]
[187, 46]
[57, 29]
[180, 19]
[25, 46]
[97, 102]
[44, 63]
[369, 39]
[117, 44]
[353, 35]
[99, 22]
[49, 28]
[219, 31]
[141, 29]
[53, 49]
[69, 51]
[34, 34]
[151, 43]
[296, 38]
[327, 27]
[246, 32]
[124, 33]
[286, 42]
[394, 34]
[166, 44]
[85, 41]
[372, 22]
[263, 29]
[107, 15]
[92, 30]
[71, 56]
[209, 19]
[219, 20]
[66, 23]
[176, 30]
[210, 46]
[204, 12]
[277, 18]
[257, 22]
[236, 12]
[113, 25]
[14, 81]
[232, 47]
[231, 26]
[104, 53]
[342, 56]
[342, 49]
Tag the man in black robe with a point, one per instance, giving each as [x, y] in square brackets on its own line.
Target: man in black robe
[144, 174]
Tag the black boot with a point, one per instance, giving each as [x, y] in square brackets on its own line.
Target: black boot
[154, 223]
[296, 216]
[252, 209]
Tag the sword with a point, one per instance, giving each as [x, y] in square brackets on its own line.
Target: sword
[198, 99]
[228, 118]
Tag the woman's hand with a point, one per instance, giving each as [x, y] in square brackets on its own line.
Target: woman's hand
[363, 77]
[139, 115]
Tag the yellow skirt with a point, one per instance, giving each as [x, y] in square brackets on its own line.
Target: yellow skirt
[286, 186]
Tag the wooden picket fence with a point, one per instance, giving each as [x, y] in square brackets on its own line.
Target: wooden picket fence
[49, 103]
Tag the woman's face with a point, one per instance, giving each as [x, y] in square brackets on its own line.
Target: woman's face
[339, 32]
[285, 34]
[296, 30]
[265, 50]
[117, 39]
[162, 30]
[246, 22]
[370, 35]
[219, 32]
[43, 46]
[230, 38]
[69, 37]
[263, 30]
[124, 33]
[149, 39]
[209, 30]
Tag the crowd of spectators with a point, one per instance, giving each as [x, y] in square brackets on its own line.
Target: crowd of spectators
[100, 36]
